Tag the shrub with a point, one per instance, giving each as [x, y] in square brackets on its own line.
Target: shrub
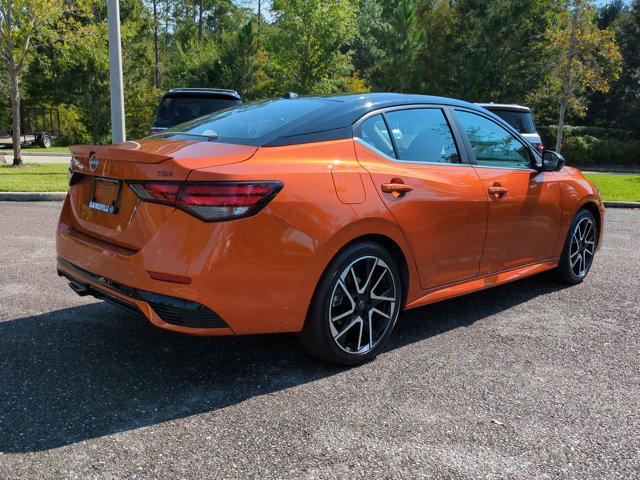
[595, 146]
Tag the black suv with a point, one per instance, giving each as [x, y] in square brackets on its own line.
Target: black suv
[180, 105]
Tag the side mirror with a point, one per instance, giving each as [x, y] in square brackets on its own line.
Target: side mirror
[551, 161]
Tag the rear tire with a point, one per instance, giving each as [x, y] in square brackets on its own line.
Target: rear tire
[355, 306]
[579, 249]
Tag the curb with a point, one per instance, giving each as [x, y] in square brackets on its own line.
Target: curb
[622, 204]
[44, 153]
[611, 172]
[32, 196]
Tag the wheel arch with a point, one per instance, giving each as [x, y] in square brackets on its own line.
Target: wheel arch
[382, 232]
[591, 205]
[385, 232]
[391, 246]
[388, 243]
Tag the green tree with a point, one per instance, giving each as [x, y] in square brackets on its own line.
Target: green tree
[368, 46]
[620, 107]
[197, 20]
[437, 62]
[20, 22]
[405, 39]
[242, 63]
[499, 47]
[307, 45]
[73, 67]
[584, 59]
[195, 65]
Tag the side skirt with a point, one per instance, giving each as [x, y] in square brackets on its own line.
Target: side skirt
[481, 283]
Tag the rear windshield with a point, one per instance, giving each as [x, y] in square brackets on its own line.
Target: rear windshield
[175, 110]
[521, 121]
[249, 124]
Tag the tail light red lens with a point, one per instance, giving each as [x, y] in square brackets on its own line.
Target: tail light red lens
[162, 192]
[211, 201]
[539, 146]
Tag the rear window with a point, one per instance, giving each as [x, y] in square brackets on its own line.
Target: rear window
[249, 124]
[179, 109]
[521, 121]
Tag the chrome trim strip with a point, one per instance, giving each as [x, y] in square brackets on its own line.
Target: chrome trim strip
[505, 168]
[414, 162]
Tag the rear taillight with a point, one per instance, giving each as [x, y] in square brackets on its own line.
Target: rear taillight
[539, 146]
[211, 201]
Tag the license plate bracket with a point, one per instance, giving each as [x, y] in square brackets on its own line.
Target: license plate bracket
[105, 194]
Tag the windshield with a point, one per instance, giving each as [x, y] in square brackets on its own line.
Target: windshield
[175, 110]
[521, 121]
[248, 124]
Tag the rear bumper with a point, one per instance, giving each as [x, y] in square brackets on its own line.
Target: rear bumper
[255, 275]
[169, 310]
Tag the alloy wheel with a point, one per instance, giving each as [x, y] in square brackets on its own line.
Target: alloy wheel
[363, 305]
[582, 248]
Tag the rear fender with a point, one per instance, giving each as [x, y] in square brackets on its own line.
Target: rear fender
[366, 228]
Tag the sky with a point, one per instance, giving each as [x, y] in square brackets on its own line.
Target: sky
[253, 4]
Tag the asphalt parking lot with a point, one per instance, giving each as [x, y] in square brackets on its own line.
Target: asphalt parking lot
[531, 379]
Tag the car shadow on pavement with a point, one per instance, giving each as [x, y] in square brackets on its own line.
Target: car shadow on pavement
[88, 371]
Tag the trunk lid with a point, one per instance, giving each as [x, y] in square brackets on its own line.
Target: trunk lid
[104, 206]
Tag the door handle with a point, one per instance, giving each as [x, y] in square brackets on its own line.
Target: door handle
[396, 189]
[497, 190]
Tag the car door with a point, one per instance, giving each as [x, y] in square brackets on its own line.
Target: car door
[524, 204]
[431, 190]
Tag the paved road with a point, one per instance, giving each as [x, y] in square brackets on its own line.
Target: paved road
[527, 380]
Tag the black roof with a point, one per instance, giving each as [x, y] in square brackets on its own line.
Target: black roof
[334, 121]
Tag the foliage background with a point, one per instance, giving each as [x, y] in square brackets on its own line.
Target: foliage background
[476, 50]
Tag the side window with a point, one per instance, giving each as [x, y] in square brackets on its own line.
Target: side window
[374, 131]
[493, 145]
[423, 135]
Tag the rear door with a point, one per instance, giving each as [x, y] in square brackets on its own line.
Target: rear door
[524, 204]
[429, 188]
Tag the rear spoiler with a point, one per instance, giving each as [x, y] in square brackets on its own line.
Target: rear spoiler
[123, 152]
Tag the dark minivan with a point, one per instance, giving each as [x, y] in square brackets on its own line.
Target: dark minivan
[180, 105]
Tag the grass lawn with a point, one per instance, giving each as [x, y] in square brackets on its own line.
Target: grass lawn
[617, 187]
[36, 149]
[34, 177]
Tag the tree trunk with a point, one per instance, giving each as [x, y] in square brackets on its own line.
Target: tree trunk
[259, 14]
[563, 110]
[566, 82]
[155, 43]
[200, 21]
[15, 103]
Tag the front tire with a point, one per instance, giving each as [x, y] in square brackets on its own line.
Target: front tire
[355, 306]
[579, 249]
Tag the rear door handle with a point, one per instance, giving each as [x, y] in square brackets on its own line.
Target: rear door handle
[400, 188]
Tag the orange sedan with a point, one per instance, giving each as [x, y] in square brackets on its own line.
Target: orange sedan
[321, 216]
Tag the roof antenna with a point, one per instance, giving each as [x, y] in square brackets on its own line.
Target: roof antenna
[290, 95]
